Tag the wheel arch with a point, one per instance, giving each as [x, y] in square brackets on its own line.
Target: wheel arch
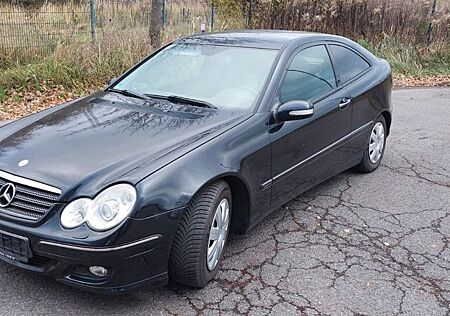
[388, 118]
[241, 200]
[240, 218]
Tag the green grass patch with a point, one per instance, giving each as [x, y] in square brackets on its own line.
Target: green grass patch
[410, 59]
[2, 95]
[437, 63]
[33, 75]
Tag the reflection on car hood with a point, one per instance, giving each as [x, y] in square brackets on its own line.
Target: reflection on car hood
[105, 137]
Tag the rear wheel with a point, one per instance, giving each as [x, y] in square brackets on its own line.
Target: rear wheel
[201, 238]
[374, 148]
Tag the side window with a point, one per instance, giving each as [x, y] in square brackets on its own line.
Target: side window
[309, 76]
[348, 63]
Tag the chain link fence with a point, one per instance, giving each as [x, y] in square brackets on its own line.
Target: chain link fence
[36, 29]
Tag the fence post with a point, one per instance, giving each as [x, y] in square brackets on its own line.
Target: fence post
[430, 26]
[92, 19]
[213, 13]
[164, 10]
[250, 13]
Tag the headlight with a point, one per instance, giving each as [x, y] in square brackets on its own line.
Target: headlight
[111, 207]
[75, 213]
[106, 211]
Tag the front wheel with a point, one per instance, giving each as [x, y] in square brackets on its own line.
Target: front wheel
[374, 148]
[201, 238]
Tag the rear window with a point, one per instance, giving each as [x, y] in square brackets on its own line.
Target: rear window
[348, 64]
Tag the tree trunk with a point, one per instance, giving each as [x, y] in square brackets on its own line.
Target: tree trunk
[155, 23]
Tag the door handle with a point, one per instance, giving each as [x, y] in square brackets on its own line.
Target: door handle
[344, 103]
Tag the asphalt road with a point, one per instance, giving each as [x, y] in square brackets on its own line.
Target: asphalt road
[373, 244]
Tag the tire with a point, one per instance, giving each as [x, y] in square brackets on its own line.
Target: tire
[188, 263]
[368, 164]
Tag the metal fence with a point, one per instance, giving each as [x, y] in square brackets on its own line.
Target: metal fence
[37, 30]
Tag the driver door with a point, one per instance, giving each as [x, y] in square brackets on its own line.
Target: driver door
[305, 150]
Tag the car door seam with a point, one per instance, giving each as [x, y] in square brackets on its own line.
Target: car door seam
[269, 182]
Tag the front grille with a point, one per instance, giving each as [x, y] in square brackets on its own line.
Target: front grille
[30, 203]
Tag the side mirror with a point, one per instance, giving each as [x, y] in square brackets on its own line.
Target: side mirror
[294, 110]
[111, 81]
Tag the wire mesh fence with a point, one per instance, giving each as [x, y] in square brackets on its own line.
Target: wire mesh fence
[32, 29]
[35, 30]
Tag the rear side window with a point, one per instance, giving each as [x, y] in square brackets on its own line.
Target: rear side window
[347, 63]
[309, 76]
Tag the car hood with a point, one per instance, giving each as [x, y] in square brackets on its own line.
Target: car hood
[105, 138]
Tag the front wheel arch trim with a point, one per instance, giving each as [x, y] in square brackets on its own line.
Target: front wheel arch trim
[241, 202]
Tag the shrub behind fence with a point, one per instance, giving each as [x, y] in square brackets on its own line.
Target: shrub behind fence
[408, 20]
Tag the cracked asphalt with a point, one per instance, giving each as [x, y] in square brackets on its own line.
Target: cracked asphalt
[372, 244]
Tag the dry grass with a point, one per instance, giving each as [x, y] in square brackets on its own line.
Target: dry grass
[80, 65]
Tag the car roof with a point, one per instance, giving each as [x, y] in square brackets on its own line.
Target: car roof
[271, 39]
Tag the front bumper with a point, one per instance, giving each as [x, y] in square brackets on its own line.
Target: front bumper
[133, 260]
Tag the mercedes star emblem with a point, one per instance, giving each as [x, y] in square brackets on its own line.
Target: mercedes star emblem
[7, 194]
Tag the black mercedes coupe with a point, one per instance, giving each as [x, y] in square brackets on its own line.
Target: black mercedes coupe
[142, 182]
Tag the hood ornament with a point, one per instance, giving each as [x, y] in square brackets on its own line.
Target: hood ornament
[23, 163]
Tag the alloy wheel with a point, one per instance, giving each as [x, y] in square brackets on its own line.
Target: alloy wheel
[376, 143]
[218, 234]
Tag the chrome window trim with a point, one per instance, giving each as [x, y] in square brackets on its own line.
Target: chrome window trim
[106, 249]
[28, 182]
[280, 175]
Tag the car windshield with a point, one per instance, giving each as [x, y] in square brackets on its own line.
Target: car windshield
[222, 76]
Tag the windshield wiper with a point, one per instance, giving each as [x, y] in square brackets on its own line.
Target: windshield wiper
[128, 93]
[156, 96]
[178, 99]
[200, 103]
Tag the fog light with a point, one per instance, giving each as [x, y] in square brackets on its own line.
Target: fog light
[98, 271]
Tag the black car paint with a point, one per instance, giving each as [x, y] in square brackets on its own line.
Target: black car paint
[170, 151]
